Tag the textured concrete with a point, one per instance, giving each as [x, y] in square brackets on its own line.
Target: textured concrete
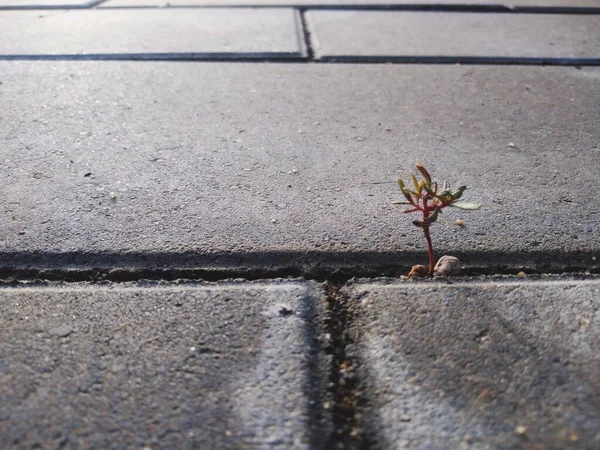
[478, 366]
[293, 164]
[410, 33]
[42, 3]
[150, 31]
[477, 3]
[217, 366]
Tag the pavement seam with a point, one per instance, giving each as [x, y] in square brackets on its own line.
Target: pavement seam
[319, 266]
[303, 57]
[463, 8]
[347, 432]
[261, 57]
[306, 33]
[451, 60]
[315, 380]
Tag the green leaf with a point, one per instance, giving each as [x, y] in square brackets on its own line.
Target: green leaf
[415, 182]
[445, 197]
[434, 216]
[406, 192]
[459, 192]
[424, 172]
[466, 206]
[428, 189]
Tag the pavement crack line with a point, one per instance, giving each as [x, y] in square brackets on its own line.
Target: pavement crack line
[348, 430]
[307, 34]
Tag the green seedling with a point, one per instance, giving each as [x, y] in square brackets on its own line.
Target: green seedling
[429, 200]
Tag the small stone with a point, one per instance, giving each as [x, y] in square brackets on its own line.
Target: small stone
[521, 430]
[460, 223]
[61, 331]
[112, 195]
[417, 271]
[521, 275]
[447, 266]
[511, 145]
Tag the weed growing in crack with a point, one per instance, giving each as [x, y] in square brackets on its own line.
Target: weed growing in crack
[427, 199]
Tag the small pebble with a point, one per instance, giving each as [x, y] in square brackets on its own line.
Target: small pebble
[521, 275]
[447, 266]
[418, 271]
[521, 430]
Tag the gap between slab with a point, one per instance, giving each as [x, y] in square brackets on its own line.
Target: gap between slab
[316, 265]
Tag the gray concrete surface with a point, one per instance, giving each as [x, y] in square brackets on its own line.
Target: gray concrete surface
[268, 169]
[481, 366]
[411, 33]
[42, 3]
[212, 366]
[293, 164]
[511, 3]
[151, 31]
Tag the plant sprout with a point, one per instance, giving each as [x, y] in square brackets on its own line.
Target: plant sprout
[427, 199]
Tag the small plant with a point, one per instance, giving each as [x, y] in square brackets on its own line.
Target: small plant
[429, 201]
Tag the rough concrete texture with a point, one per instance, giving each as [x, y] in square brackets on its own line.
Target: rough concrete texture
[477, 3]
[294, 164]
[29, 4]
[481, 366]
[150, 31]
[219, 366]
[411, 33]
[42, 3]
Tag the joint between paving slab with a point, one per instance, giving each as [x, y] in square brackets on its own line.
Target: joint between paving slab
[342, 381]
[306, 55]
[317, 265]
[462, 8]
[306, 34]
[452, 60]
[260, 57]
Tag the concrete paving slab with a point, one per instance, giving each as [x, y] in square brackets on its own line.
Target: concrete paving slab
[213, 366]
[108, 164]
[409, 3]
[447, 34]
[192, 33]
[30, 4]
[478, 365]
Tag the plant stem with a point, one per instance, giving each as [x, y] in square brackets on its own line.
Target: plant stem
[426, 212]
[429, 249]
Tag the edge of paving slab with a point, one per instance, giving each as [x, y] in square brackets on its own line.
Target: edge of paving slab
[310, 308]
[364, 435]
[321, 265]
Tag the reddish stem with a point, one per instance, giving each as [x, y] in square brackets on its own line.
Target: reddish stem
[426, 212]
[429, 249]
